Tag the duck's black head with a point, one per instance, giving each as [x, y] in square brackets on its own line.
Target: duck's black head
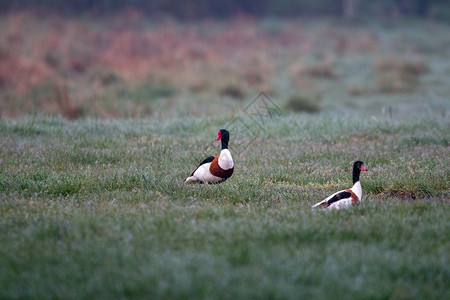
[358, 166]
[224, 136]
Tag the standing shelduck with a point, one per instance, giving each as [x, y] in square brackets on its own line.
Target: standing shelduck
[215, 169]
[348, 197]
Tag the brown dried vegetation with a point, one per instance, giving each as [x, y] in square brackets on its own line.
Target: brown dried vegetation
[235, 58]
[399, 75]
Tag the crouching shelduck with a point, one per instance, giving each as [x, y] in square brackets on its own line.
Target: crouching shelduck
[348, 197]
[215, 169]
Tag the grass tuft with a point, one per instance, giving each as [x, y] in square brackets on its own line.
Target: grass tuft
[232, 90]
[399, 76]
[304, 103]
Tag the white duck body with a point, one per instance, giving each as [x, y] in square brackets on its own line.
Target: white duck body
[348, 197]
[203, 172]
[226, 160]
[215, 169]
[345, 202]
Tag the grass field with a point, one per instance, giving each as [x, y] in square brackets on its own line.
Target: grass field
[96, 207]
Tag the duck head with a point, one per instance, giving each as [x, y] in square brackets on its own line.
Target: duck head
[358, 166]
[224, 136]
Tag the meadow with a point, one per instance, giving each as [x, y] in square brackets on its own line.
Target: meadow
[93, 158]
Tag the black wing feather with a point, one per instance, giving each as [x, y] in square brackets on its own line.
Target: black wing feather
[339, 196]
[205, 161]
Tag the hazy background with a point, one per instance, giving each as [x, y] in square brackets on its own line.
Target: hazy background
[191, 10]
[136, 59]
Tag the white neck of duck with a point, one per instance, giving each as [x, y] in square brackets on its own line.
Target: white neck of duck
[357, 190]
[225, 160]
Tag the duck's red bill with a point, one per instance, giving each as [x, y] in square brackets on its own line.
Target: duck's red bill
[363, 168]
[219, 136]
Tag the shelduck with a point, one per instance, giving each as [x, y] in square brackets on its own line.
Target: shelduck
[215, 169]
[348, 197]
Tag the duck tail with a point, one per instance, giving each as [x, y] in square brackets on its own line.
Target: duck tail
[190, 179]
[321, 203]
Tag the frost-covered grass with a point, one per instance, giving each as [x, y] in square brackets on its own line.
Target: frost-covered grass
[97, 209]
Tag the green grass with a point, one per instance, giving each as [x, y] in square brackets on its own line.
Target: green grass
[97, 209]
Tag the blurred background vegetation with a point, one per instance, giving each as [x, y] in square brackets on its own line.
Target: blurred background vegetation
[166, 58]
[189, 10]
